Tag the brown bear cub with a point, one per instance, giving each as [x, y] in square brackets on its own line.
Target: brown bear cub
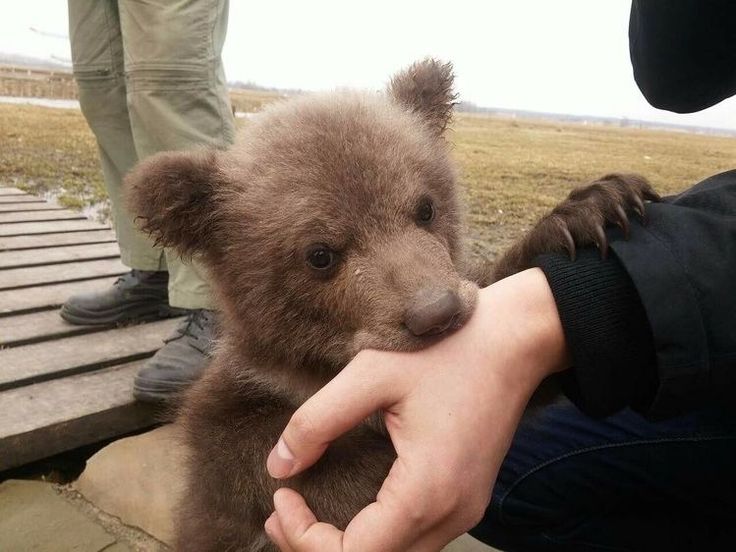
[332, 226]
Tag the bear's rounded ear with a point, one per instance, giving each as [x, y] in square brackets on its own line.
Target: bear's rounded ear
[426, 89]
[174, 197]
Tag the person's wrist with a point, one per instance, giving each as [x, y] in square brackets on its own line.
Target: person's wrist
[527, 329]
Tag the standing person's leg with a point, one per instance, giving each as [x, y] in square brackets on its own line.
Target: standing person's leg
[97, 53]
[177, 100]
[177, 96]
[573, 483]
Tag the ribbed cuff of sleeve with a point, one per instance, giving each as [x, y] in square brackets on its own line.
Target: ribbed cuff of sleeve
[607, 333]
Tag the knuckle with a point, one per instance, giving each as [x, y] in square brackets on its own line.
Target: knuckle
[413, 505]
[426, 507]
[468, 508]
[303, 428]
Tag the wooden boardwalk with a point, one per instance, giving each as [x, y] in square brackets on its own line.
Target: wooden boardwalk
[62, 386]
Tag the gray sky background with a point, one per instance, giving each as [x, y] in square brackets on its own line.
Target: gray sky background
[563, 56]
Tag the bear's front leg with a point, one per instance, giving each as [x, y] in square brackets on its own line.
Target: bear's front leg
[231, 425]
[579, 221]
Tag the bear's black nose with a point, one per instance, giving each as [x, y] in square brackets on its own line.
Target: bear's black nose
[432, 311]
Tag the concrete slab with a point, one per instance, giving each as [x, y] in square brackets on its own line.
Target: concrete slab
[128, 537]
[35, 517]
[138, 479]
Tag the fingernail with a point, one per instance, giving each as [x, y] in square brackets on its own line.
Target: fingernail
[280, 461]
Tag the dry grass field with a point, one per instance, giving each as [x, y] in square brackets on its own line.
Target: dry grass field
[512, 170]
[515, 170]
[248, 100]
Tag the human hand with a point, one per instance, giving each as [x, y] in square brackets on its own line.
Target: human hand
[451, 411]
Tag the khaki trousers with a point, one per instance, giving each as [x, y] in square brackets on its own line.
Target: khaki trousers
[150, 79]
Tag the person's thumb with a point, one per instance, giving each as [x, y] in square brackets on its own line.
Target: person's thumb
[360, 389]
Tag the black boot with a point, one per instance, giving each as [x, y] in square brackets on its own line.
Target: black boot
[180, 361]
[137, 296]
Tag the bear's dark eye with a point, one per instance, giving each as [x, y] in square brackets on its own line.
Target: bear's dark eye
[425, 212]
[320, 257]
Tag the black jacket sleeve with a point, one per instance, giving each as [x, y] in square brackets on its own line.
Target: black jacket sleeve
[654, 327]
[684, 52]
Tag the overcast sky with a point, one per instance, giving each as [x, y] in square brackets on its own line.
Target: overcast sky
[563, 56]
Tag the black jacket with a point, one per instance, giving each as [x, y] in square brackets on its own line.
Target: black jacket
[654, 326]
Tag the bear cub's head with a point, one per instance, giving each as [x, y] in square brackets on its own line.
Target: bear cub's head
[331, 226]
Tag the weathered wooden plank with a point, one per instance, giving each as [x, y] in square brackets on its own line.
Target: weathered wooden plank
[59, 415]
[64, 254]
[10, 191]
[18, 301]
[29, 364]
[38, 326]
[33, 216]
[12, 208]
[57, 273]
[25, 228]
[21, 199]
[29, 207]
[15, 243]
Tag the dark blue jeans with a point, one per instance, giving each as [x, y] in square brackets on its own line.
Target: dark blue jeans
[570, 482]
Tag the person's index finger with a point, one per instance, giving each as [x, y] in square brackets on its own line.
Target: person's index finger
[353, 395]
[300, 528]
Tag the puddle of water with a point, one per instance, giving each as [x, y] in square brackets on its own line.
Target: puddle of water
[74, 104]
[99, 211]
[44, 102]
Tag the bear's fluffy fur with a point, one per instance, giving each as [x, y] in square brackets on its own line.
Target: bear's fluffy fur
[362, 186]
